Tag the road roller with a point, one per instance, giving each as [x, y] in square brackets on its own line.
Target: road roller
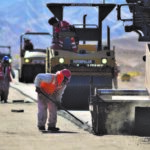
[92, 60]
[32, 56]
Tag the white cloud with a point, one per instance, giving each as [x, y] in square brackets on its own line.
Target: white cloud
[116, 26]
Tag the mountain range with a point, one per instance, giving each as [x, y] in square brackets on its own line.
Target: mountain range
[19, 16]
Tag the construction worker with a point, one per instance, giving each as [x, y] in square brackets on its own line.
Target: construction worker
[53, 85]
[64, 41]
[5, 78]
[28, 44]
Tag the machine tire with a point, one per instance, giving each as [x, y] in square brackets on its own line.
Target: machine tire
[27, 77]
[39, 68]
[80, 87]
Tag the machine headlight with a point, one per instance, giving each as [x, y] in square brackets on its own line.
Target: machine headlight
[104, 60]
[10, 60]
[61, 60]
[27, 60]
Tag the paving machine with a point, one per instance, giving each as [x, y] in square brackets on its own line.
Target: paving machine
[5, 51]
[90, 61]
[32, 59]
[124, 111]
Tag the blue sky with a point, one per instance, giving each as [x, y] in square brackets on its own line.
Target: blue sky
[20, 16]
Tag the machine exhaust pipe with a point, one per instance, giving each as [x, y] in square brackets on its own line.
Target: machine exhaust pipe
[108, 37]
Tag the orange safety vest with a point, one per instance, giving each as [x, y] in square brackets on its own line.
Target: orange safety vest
[49, 88]
[53, 86]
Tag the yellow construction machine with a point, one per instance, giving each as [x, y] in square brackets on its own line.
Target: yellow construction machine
[32, 59]
[91, 62]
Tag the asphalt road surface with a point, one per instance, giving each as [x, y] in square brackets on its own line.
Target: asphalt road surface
[18, 130]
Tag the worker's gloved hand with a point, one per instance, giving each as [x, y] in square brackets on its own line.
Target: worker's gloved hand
[38, 90]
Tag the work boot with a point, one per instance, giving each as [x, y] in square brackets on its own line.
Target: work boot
[53, 129]
[41, 128]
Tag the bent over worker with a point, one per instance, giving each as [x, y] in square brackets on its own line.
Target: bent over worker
[5, 78]
[53, 85]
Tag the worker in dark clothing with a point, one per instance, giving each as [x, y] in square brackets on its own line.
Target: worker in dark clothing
[5, 78]
[28, 45]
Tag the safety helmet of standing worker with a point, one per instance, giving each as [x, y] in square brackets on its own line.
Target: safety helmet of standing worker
[5, 59]
[63, 75]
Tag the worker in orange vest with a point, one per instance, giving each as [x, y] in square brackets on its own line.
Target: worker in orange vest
[52, 85]
[6, 74]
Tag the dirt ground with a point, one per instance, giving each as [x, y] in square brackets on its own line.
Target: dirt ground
[18, 131]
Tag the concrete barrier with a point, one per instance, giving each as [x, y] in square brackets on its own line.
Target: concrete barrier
[127, 117]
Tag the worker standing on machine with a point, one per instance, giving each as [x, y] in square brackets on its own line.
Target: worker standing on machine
[53, 85]
[5, 78]
[64, 42]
